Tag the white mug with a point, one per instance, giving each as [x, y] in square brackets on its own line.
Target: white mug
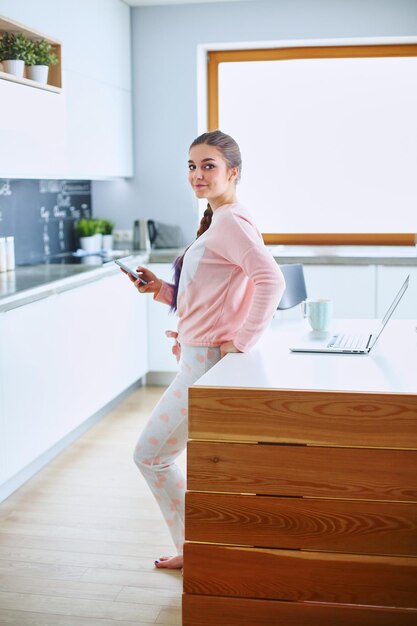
[319, 313]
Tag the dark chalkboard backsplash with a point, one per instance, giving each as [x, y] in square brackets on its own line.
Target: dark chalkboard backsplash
[41, 214]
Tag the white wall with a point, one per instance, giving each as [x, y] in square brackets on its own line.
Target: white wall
[165, 41]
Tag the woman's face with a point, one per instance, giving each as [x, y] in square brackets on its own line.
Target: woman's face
[209, 174]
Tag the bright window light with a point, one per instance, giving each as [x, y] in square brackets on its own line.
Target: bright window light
[328, 145]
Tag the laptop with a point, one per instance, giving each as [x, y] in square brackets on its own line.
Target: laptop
[353, 344]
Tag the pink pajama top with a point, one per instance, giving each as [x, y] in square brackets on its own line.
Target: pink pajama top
[230, 284]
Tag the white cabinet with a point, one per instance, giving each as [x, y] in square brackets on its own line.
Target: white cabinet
[389, 280]
[160, 319]
[98, 129]
[30, 367]
[85, 132]
[351, 287]
[63, 358]
[32, 132]
[2, 416]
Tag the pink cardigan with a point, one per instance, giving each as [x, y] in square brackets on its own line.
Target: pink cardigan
[230, 284]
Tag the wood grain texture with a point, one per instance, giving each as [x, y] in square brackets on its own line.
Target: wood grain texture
[86, 519]
[298, 523]
[303, 417]
[10, 617]
[314, 52]
[217, 611]
[340, 239]
[302, 471]
[300, 576]
[212, 93]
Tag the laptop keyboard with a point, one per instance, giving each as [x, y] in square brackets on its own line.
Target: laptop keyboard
[352, 342]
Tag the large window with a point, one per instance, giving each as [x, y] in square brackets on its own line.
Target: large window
[328, 137]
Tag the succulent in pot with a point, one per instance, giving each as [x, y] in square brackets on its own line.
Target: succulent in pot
[86, 227]
[13, 52]
[105, 227]
[88, 233]
[39, 57]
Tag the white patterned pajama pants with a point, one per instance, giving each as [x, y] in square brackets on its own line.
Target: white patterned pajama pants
[165, 437]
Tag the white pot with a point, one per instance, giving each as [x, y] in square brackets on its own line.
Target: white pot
[99, 240]
[107, 242]
[14, 66]
[38, 73]
[91, 244]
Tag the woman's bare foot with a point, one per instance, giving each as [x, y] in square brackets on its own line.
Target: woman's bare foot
[170, 562]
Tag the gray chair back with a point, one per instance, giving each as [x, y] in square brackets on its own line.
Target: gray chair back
[295, 291]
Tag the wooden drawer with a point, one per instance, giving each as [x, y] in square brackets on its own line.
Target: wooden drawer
[309, 417]
[216, 611]
[336, 544]
[303, 471]
[297, 523]
[300, 576]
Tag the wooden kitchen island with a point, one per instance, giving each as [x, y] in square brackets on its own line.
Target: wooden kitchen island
[301, 507]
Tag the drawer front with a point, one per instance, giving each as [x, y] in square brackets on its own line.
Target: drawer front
[303, 417]
[300, 523]
[300, 576]
[215, 611]
[270, 469]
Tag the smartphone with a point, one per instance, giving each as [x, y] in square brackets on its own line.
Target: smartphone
[130, 271]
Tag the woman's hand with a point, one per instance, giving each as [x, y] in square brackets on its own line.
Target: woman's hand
[153, 285]
[227, 347]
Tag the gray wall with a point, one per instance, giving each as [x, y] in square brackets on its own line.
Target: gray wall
[165, 40]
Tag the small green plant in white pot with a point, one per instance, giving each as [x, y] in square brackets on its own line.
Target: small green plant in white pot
[87, 231]
[105, 227]
[13, 51]
[38, 59]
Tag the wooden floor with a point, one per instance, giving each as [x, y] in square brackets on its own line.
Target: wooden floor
[78, 541]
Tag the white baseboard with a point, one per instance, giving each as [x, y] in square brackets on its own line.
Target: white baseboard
[160, 379]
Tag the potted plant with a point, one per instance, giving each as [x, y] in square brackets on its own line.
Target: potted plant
[39, 57]
[87, 231]
[105, 227]
[13, 51]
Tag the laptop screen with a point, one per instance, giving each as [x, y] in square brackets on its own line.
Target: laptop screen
[390, 311]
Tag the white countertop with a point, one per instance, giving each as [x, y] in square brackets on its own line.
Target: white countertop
[271, 365]
[332, 255]
[29, 283]
[343, 255]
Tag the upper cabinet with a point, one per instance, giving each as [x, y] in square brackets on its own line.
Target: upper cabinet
[80, 127]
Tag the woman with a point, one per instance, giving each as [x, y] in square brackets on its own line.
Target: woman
[226, 289]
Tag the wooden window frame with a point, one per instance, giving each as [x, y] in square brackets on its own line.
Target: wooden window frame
[214, 58]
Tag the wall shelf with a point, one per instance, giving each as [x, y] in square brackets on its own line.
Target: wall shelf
[55, 71]
[28, 82]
